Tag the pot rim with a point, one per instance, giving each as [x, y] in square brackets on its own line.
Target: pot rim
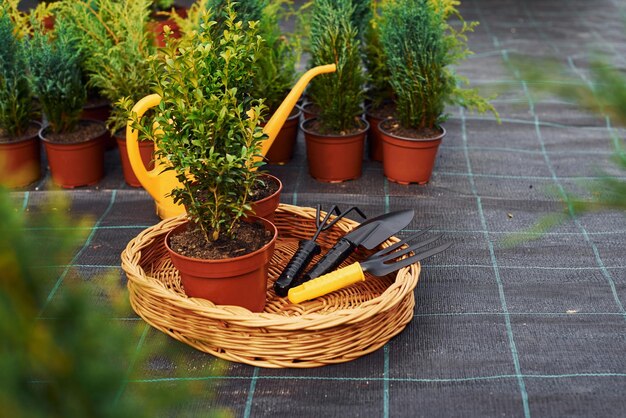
[381, 127]
[225, 260]
[25, 138]
[308, 131]
[280, 188]
[93, 121]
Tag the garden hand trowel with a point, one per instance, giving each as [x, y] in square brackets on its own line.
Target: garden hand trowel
[369, 234]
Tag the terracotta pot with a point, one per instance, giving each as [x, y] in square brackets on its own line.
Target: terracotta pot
[76, 164]
[281, 150]
[146, 150]
[266, 208]
[20, 161]
[408, 160]
[100, 111]
[240, 281]
[334, 158]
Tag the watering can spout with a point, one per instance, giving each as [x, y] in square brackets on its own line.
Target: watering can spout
[282, 113]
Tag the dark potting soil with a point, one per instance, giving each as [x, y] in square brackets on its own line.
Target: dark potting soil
[84, 131]
[247, 237]
[30, 132]
[265, 188]
[424, 133]
[316, 127]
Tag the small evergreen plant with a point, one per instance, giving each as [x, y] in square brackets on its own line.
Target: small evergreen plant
[420, 46]
[15, 93]
[56, 77]
[334, 39]
[116, 46]
[209, 123]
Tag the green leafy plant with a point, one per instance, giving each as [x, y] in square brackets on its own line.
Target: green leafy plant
[56, 77]
[116, 46]
[15, 94]
[334, 39]
[209, 123]
[275, 68]
[420, 46]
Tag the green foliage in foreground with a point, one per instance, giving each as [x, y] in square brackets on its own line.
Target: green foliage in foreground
[210, 124]
[15, 94]
[334, 39]
[605, 94]
[68, 357]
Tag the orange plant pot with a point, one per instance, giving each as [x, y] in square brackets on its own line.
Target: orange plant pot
[239, 281]
[408, 160]
[334, 158]
[20, 161]
[146, 150]
[73, 165]
[266, 208]
[281, 150]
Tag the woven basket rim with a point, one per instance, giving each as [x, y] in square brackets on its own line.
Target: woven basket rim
[405, 282]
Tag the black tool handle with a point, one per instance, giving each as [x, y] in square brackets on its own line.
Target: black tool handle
[307, 249]
[331, 260]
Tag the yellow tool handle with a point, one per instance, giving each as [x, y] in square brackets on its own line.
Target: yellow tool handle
[327, 283]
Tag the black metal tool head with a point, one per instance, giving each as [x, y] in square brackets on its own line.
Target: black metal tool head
[382, 262]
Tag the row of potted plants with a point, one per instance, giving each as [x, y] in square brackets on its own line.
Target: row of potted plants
[109, 44]
[408, 48]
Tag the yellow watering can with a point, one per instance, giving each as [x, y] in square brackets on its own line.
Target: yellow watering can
[159, 184]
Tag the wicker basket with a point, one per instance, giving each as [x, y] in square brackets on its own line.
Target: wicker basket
[335, 328]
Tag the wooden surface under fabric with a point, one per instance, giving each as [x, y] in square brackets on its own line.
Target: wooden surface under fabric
[538, 329]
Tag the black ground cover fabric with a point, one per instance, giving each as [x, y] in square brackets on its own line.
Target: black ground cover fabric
[538, 329]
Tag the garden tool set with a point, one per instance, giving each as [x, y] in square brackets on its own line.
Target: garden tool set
[323, 277]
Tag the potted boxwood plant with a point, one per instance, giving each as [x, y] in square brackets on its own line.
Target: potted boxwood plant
[209, 133]
[276, 66]
[116, 48]
[419, 47]
[19, 142]
[74, 147]
[335, 138]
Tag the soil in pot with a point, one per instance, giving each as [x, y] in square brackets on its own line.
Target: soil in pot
[20, 158]
[408, 154]
[76, 158]
[247, 238]
[334, 158]
[239, 279]
[374, 116]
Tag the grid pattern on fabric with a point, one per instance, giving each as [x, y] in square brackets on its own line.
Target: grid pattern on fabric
[534, 330]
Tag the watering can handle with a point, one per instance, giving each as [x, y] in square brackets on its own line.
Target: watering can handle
[148, 179]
